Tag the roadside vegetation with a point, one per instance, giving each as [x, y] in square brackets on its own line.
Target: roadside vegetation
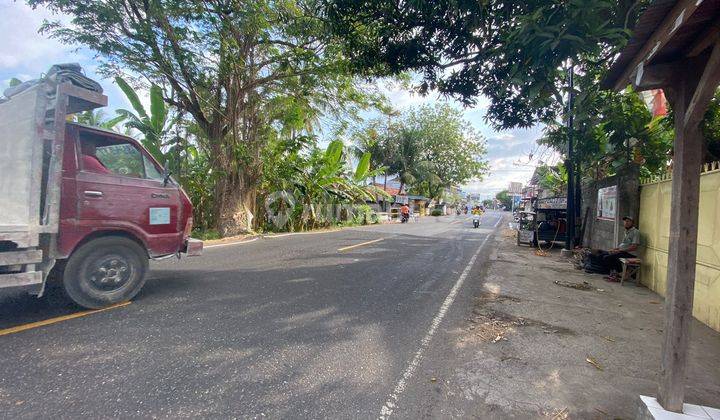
[251, 101]
[429, 148]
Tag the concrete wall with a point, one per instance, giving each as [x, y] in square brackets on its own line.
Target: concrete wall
[605, 234]
[655, 232]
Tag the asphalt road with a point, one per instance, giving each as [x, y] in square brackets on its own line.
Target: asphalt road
[289, 327]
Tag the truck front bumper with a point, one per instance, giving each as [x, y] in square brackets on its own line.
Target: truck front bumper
[193, 247]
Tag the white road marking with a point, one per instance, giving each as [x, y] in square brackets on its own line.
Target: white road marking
[231, 243]
[345, 248]
[271, 237]
[285, 234]
[392, 399]
[319, 232]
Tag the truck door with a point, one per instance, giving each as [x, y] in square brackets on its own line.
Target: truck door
[120, 187]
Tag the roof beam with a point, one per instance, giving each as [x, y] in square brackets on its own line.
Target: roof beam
[705, 89]
[704, 40]
[658, 76]
[677, 16]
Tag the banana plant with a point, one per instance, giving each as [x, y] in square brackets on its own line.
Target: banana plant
[323, 179]
[96, 118]
[153, 126]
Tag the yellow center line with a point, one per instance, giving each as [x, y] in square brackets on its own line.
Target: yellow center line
[50, 321]
[360, 244]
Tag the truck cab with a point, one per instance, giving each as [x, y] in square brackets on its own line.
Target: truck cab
[110, 183]
[89, 205]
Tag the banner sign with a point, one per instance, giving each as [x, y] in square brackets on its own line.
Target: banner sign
[607, 203]
[554, 203]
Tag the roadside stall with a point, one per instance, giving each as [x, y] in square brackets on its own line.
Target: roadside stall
[546, 221]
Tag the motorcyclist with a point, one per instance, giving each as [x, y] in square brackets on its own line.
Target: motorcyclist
[476, 216]
[405, 212]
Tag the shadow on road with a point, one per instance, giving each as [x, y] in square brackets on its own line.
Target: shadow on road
[316, 335]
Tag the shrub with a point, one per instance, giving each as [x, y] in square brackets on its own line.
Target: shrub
[436, 212]
[206, 235]
[364, 214]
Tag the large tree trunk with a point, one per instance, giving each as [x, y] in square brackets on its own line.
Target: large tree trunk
[235, 205]
[240, 172]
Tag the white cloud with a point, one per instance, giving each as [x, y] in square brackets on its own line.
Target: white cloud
[22, 45]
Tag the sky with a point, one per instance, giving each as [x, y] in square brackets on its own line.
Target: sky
[25, 54]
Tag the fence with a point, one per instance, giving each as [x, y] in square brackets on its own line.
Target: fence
[655, 205]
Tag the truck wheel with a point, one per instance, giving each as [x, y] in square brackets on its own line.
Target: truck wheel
[105, 271]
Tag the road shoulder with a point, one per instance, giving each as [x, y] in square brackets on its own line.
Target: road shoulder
[525, 347]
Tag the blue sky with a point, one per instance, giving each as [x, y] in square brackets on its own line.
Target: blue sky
[26, 54]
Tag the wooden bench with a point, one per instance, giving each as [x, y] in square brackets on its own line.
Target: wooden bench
[630, 267]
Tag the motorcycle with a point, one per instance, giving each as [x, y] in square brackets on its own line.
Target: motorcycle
[404, 218]
[476, 221]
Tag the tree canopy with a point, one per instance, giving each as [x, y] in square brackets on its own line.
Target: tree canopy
[430, 148]
[244, 71]
[511, 52]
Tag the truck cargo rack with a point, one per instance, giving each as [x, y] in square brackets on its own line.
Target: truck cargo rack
[32, 133]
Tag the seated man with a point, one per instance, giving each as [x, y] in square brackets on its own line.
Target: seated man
[90, 162]
[625, 249]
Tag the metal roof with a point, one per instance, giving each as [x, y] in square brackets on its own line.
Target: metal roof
[706, 15]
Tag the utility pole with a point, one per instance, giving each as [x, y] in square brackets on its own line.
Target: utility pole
[570, 168]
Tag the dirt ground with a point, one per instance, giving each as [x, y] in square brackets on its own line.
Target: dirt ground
[582, 349]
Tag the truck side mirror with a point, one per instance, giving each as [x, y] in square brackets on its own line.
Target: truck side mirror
[166, 173]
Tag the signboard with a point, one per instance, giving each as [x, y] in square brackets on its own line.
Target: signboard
[515, 188]
[607, 203]
[558, 203]
[525, 236]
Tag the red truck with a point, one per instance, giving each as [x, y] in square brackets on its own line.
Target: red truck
[85, 205]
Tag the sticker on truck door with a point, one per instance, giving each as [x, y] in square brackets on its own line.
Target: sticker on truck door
[159, 215]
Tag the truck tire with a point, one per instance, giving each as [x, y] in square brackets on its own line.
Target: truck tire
[105, 271]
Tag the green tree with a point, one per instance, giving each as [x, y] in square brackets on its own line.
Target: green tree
[241, 70]
[369, 141]
[710, 127]
[553, 179]
[612, 129]
[452, 151]
[504, 198]
[406, 157]
[432, 148]
[513, 53]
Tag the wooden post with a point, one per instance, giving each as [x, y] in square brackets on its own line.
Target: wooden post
[687, 161]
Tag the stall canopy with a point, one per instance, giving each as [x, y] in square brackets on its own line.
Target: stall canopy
[676, 47]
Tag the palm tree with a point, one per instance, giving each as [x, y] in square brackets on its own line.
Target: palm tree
[369, 142]
[407, 159]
